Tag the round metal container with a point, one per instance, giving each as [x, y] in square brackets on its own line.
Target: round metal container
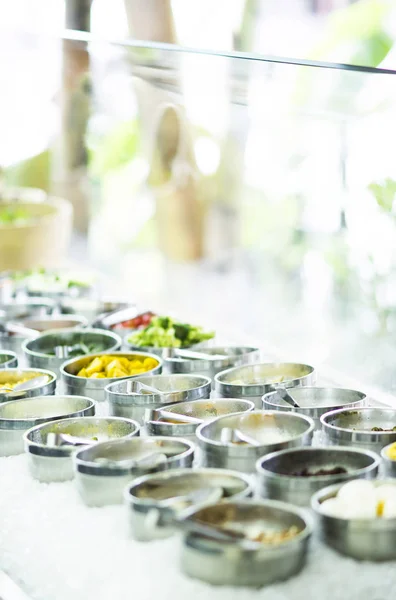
[277, 472]
[235, 356]
[388, 463]
[353, 427]
[56, 322]
[55, 463]
[29, 309]
[15, 375]
[36, 351]
[95, 388]
[204, 410]
[293, 430]
[238, 564]
[90, 308]
[100, 484]
[8, 360]
[161, 351]
[362, 539]
[253, 381]
[124, 402]
[315, 401]
[149, 519]
[18, 416]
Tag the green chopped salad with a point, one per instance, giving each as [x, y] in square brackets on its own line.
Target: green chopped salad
[14, 215]
[163, 332]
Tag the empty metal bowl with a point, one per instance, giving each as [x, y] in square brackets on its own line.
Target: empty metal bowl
[362, 539]
[40, 352]
[95, 388]
[149, 517]
[55, 322]
[90, 308]
[389, 464]
[18, 375]
[234, 356]
[125, 401]
[355, 427]
[285, 475]
[271, 429]
[30, 308]
[204, 410]
[253, 381]
[315, 401]
[18, 416]
[8, 360]
[49, 462]
[240, 563]
[100, 480]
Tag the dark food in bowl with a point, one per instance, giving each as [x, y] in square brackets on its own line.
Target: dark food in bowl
[306, 472]
[381, 429]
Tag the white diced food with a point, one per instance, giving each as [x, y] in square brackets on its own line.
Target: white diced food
[333, 508]
[359, 499]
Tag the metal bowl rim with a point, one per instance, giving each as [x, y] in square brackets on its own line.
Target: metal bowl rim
[206, 364]
[92, 468]
[316, 387]
[339, 411]
[308, 420]
[69, 330]
[64, 451]
[218, 382]
[205, 382]
[90, 404]
[214, 401]
[260, 470]
[65, 374]
[131, 499]
[51, 374]
[286, 507]
[11, 357]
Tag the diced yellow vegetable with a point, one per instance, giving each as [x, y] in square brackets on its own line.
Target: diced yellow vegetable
[116, 372]
[117, 366]
[96, 366]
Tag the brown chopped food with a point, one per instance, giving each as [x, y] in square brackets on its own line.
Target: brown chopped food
[384, 430]
[306, 472]
[275, 537]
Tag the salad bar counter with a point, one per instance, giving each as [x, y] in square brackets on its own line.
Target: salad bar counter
[139, 458]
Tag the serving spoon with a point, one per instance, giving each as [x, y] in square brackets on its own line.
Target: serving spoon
[26, 385]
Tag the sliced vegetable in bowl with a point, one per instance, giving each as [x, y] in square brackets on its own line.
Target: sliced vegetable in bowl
[164, 332]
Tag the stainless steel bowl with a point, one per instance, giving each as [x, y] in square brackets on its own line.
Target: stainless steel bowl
[8, 360]
[55, 463]
[235, 356]
[55, 322]
[389, 464]
[277, 472]
[17, 374]
[362, 539]
[95, 388]
[18, 416]
[315, 401]
[124, 402]
[100, 484]
[253, 381]
[30, 308]
[38, 351]
[282, 430]
[149, 519]
[204, 410]
[353, 427]
[89, 307]
[238, 564]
